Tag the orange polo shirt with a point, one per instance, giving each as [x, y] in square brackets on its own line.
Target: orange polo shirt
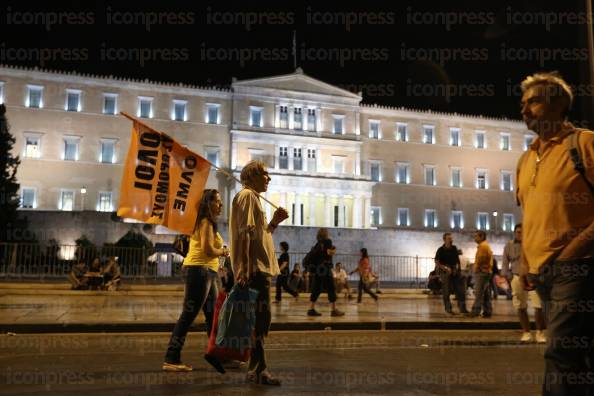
[483, 260]
[555, 199]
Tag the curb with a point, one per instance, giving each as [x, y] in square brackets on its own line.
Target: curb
[31, 328]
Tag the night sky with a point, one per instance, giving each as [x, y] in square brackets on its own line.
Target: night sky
[465, 57]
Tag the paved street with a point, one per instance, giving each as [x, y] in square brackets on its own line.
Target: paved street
[312, 363]
[157, 309]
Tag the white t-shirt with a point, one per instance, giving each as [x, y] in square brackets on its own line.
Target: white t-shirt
[248, 221]
[339, 275]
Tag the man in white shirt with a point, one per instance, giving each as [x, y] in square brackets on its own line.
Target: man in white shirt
[253, 257]
[341, 280]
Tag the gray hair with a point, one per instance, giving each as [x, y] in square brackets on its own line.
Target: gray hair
[251, 169]
[555, 85]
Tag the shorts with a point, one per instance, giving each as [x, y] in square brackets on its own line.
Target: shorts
[520, 296]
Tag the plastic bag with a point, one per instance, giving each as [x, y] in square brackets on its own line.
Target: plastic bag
[234, 320]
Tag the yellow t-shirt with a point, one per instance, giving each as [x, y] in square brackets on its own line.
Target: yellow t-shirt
[196, 255]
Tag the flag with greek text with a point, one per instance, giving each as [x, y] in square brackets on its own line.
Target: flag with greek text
[162, 181]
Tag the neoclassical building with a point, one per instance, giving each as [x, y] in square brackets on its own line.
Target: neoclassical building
[334, 161]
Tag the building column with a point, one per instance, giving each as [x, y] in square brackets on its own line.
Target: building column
[367, 212]
[312, 209]
[233, 155]
[283, 200]
[276, 156]
[357, 203]
[290, 110]
[298, 209]
[327, 211]
[357, 123]
[290, 155]
[358, 163]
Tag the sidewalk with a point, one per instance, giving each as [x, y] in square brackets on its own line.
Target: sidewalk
[49, 308]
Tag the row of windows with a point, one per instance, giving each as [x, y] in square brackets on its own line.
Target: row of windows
[430, 219]
[106, 154]
[73, 102]
[402, 175]
[66, 199]
[401, 134]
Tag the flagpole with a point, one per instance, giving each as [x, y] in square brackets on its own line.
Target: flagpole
[229, 175]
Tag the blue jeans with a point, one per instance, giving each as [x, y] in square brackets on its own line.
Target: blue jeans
[201, 293]
[566, 289]
[482, 296]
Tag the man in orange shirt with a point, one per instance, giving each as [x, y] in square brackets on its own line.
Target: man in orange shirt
[483, 264]
[557, 199]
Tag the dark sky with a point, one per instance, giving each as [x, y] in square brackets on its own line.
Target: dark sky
[465, 57]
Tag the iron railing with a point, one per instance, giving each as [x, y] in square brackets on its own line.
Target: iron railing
[34, 261]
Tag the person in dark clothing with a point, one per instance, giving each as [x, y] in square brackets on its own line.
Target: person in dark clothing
[321, 273]
[296, 281]
[282, 280]
[447, 262]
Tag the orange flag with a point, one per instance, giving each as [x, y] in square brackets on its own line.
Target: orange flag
[162, 181]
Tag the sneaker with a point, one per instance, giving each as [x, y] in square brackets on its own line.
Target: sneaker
[526, 337]
[540, 337]
[176, 367]
[313, 312]
[336, 312]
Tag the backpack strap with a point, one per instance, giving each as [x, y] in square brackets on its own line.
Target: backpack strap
[576, 157]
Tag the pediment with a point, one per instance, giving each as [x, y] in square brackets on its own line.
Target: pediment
[296, 82]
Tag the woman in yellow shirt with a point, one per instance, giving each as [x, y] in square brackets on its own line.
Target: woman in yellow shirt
[201, 265]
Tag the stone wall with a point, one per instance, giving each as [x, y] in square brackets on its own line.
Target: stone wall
[99, 227]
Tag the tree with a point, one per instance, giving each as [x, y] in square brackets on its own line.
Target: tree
[10, 220]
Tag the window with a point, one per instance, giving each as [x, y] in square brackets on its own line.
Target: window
[283, 117]
[107, 151]
[528, 139]
[28, 200]
[376, 216]
[179, 110]
[430, 220]
[479, 140]
[455, 139]
[297, 119]
[259, 154]
[145, 107]
[429, 171]
[401, 132]
[508, 222]
[32, 146]
[311, 119]
[297, 159]
[256, 116]
[428, 134]
[212, 155]
[375, 171]
[374, 129]
[504, 142]
[110, 103]
[482, 221]
[71, 148]
[213, 113]
[66, 200]
[339, 215]
[337, 124]
[482, 181]
[73, 100]
[283, 158]
[104, 204]
[403, 218]
[34, 97]
[456, 180]
[506, 181]
[338, 164]
[311, 160]
[457, 219]
[402, 173]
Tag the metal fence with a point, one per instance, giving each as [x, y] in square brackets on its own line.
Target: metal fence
[38, 262]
